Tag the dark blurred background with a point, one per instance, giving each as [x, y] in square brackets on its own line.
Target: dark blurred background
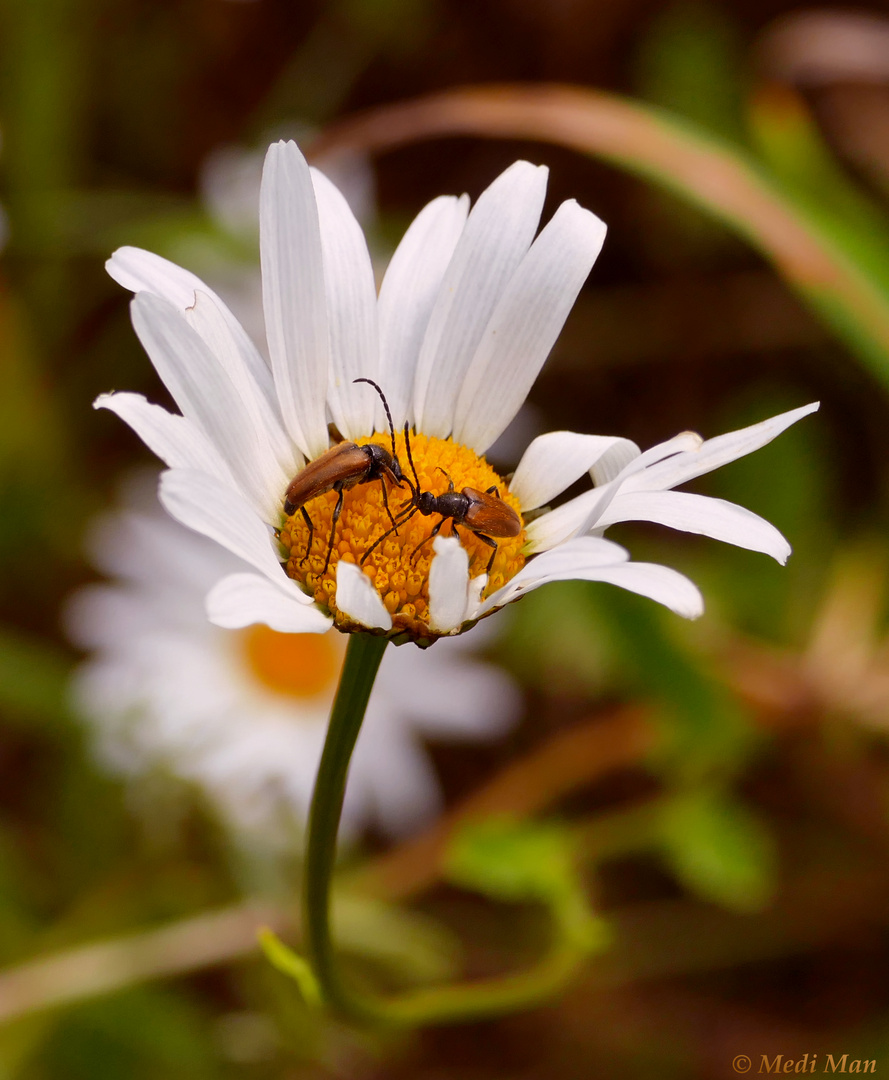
[739, 849]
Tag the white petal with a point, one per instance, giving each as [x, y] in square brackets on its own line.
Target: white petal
[448, 585]
[207, 319]
[293, 295]
[351, 312]
[174, 439]
[143, 271]
[497, 235]
[408, 293]
[214, 509]
[243, 599]
[523, 328]
[554, 461]
[716, 452]
[208, 397]
[574, 562]
[571, 559]
[715, 518]
[614, 461]
[659, 583]
[358, 599]
[581, 514]
[474, 593]
[684, 442]
[559, 526]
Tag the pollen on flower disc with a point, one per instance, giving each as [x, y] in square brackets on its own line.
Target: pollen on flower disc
[296, 665]
[399, 572]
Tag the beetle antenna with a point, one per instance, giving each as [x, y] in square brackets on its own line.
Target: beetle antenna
[385, 406]
[410, 456]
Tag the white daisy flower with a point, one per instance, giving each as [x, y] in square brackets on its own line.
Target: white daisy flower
[469, 308]
[243, 713]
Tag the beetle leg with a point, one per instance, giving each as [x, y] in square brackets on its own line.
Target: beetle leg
[448, 475]
[308, 522]
[431, 536]
[491, 543]
[333, 521]
[492, 490]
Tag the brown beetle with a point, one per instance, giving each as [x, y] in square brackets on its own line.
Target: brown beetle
[341, 468]
[483, 512]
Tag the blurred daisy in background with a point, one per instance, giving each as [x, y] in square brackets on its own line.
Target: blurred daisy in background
[243, 713]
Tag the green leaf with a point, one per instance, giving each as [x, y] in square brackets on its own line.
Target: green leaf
[720, 850]
[527, 861]
[510, 860]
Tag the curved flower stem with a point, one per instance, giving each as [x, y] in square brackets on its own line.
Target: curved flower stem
[432, 1005]
[363, 655]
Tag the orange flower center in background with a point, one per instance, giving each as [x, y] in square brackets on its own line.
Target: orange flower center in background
[399, 566]
[296, 665]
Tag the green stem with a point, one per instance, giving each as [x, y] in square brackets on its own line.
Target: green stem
[434, 1005]
[363, 656]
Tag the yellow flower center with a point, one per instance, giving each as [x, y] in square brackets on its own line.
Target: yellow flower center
[297, 665]
[399, 566]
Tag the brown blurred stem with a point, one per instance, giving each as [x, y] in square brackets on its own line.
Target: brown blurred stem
[660, 147]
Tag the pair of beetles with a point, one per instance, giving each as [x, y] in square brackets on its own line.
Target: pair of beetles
[348, 464]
